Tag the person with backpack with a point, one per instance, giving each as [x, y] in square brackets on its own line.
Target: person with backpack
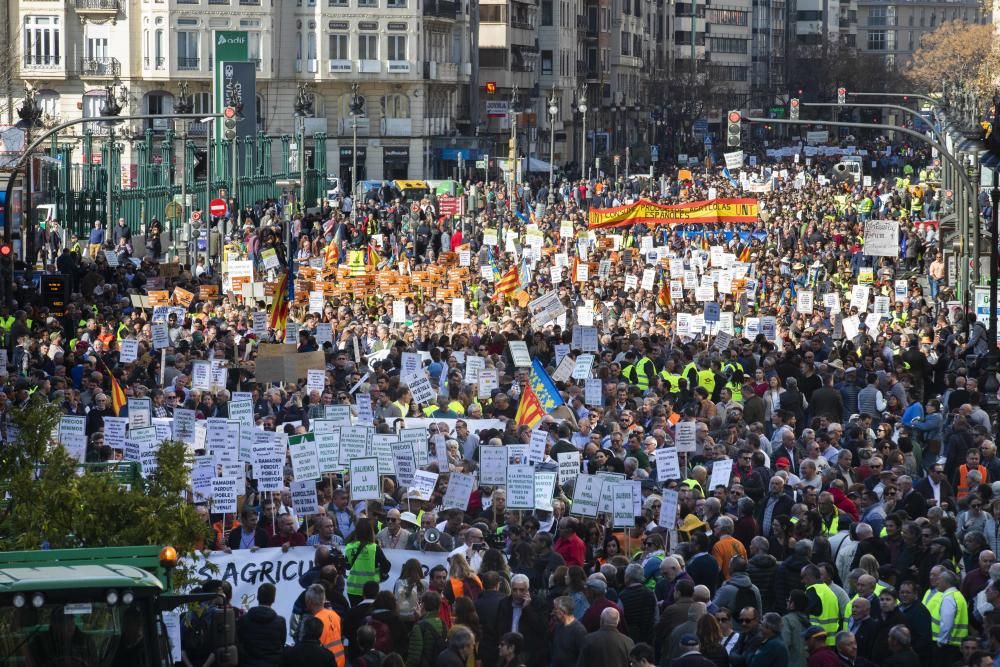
[738, 592]
[428, 638]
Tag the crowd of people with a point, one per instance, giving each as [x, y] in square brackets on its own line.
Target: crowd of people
[846, 398]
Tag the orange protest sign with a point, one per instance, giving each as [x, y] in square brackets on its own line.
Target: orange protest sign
[183, 297]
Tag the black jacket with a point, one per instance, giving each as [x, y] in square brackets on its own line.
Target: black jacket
[762, 569]
[307, 654]
[236, 534]
[487, 607]
[533, 625]
[260, 634]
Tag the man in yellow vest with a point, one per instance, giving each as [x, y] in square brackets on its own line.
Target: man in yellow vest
[823, 608]
[949, 619]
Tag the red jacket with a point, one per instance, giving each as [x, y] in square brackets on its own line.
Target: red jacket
[572, 549]
[825, 657]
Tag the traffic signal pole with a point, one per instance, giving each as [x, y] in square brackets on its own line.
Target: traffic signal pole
[969, 189]
[860, 105]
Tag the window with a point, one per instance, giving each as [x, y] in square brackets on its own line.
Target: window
[495, 58]
[396, 47]
[368, 47]
[626, 43]
[42, 41]
[876, 40]
[253, 47]
[605, 19]
[311, 45]
[809, 15]
[728, 44]
[187, 50]
[202, 102]
[546, 62]
[396, 106]
[876, 16]
[367, 3]
[729, 72]
[546, 12]
[338, 46]
[97, 48]
[396, 4]
[493, 13]
[49, 101]
[92, 104]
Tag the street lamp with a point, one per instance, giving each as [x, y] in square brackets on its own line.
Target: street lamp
[303, 109]
[110, 108]
[553, 111]
[357, 110]
[184, 105]
[30, 113]
[583, 139]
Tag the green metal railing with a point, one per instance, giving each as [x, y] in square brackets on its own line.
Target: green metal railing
[157, 183]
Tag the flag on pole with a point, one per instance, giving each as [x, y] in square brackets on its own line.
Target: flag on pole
[373, 259]
[279, 307]
[663, 298]
[117, 395]
[332, 253]
[529, 410]
[507, 284]
[543, 387]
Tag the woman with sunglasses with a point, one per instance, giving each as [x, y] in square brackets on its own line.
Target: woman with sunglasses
[727, 636]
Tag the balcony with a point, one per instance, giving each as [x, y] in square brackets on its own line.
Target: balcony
[340, 66]
[188, 64]
[98, 9]
[521, 24]
[442, 9]
[397, 127]
[154, 63]
[398, 67]
[43, 63]
[99, 68]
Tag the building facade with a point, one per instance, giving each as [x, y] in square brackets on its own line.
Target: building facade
[411, 59]
[894, 29]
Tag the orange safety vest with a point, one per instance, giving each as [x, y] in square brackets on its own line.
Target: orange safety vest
[458, 586]
[963, 479]
[331, 639]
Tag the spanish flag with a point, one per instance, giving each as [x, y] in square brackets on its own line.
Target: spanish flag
[117, 395]
[529, 410]
[279, 307]
[507, 284]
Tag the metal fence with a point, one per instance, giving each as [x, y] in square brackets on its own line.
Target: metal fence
[80, 189]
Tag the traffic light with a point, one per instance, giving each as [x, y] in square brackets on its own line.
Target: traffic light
[6, 257]
[793, 107]
[491, 87]
[229, 123]
[734, 128]
[841, 95]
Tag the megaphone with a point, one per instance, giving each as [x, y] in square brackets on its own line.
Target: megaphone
[432, 536]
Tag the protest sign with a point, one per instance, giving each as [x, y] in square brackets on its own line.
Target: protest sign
[305, 456]
[364, 480]
[492, 466]
[423, 485]
[73, 436]
[882, 238]
[586, 495]
[224, 495]
[129, 351]
[520, 487]
[667, 466]
[305, 500]
[460, 487]
[684, 436]
[404, 462]
[545, 484]
[569, 466]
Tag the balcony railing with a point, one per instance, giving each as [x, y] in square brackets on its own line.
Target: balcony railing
[100, 67]
[188, 64]
[155, 63]
[521, 24]
[446, 9]
[43, 62]
[97, 5]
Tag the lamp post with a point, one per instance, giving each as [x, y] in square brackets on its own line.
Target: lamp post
[583, 137]
[30, 113]
[183, 105]
[357, 109]
[303, 109]
[553, 111]
[109, 110]
[512, 195]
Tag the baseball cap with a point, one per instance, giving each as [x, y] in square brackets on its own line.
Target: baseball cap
[689, 640]
[813, 632]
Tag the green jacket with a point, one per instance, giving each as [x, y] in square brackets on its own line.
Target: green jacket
[415, 653]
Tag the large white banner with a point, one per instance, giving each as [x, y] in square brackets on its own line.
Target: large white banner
[246, 571]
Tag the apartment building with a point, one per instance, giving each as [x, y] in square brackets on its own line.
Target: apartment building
[894, 29]
[411, 58]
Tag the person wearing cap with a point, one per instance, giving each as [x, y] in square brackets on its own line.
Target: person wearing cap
[690, 653]
[772, 651]
[596, 590]
[821, 653]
